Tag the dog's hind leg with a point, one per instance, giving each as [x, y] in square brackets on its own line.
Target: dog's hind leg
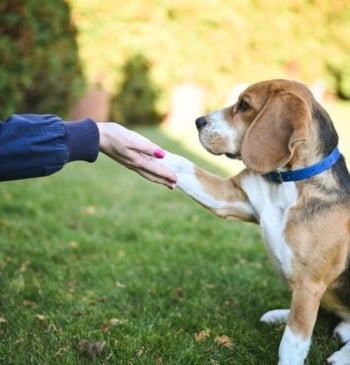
[342, 331]
[342, 356]
[276, 316]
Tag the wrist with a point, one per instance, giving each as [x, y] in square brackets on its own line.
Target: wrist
[102, 129]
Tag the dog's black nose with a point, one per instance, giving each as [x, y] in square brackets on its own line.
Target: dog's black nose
[200, 123]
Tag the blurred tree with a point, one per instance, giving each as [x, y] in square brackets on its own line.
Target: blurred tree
[135, 101]
[39, 65]
[337, 57]
[215, 43]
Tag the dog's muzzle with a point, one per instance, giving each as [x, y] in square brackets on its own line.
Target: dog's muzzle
[201, 123]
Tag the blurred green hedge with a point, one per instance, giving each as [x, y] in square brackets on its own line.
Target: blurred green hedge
[215, 44]
[39, 65]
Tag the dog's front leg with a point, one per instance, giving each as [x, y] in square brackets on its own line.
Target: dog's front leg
[224, 197]
[296, 339]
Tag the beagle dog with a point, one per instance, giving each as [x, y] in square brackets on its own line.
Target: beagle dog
[296, 186]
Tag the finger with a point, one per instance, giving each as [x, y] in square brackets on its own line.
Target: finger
[156, 179]
[149, 148]
[159, 153]
[139, 161]
[154, 168]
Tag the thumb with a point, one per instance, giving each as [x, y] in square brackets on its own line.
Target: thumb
[152, 149]
[159, 153]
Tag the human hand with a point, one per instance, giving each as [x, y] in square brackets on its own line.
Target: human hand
[135, 152]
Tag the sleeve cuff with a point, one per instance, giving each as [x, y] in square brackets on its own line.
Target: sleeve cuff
[82, 139]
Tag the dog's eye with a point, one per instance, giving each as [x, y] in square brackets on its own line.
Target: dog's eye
[243, 106]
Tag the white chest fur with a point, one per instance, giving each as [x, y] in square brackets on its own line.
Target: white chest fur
[272, 203]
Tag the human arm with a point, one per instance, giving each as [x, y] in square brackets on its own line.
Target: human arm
[33, 145]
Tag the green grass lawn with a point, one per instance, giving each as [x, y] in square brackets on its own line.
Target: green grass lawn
[99, 266]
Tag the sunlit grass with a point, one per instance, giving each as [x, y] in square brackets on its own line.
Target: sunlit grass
[100, 266]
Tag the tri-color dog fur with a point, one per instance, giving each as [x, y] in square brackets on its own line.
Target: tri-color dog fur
[278, 126]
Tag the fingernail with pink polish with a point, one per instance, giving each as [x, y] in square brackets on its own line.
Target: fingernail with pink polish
[159, 153]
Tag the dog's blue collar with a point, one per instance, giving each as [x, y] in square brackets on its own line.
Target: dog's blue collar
[307, 172]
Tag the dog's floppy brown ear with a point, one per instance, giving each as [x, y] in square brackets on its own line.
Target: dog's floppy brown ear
[271, 139]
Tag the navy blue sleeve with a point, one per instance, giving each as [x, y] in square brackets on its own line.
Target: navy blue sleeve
[33, 145]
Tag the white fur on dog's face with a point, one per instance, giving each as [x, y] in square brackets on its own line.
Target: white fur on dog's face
[220, 135]
[224, 130]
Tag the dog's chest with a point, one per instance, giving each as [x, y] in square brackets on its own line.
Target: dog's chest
[272, 203]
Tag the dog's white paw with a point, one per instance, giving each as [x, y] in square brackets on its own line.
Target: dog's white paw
[175, 163]
[341, 357]
[342, 332]
[276, 316]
